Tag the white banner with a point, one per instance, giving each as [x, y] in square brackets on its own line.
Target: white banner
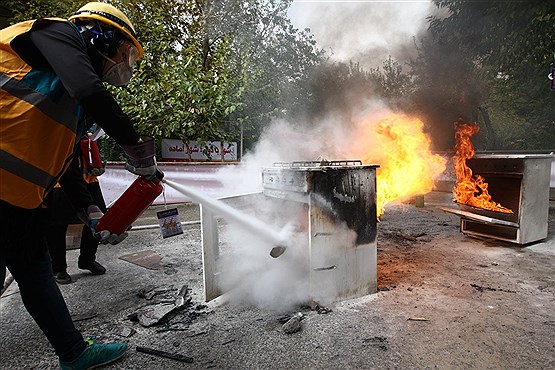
[176, 150]
[200, 177]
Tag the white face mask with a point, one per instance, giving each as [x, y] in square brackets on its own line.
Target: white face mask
[118, 75]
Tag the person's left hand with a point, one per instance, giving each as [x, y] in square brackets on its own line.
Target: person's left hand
[98, 171]
[94, 214]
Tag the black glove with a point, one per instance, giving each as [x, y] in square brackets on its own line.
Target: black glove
[140, 157]
[104, 236]
[98, 171]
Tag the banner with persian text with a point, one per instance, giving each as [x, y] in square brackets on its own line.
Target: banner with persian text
[175, 150]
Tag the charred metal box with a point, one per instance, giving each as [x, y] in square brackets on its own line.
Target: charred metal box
[518, 182]
[339, 221]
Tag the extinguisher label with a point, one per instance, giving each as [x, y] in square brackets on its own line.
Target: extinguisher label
[170, 223]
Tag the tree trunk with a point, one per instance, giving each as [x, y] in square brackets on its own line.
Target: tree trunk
[492, 138]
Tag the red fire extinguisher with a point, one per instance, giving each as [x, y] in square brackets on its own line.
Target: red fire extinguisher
[90, 155]
[131, 204]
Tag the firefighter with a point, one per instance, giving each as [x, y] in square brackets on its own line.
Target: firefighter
[51, 77]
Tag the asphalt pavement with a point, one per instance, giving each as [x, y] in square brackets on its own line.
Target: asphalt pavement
[152, 298]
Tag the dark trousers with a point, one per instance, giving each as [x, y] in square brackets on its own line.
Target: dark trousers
[63, 214]
[24, 252]
[56, 238]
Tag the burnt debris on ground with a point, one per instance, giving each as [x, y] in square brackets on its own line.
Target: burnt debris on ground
[444, 300]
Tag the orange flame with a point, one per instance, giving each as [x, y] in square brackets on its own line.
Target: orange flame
[403, 151]
[470, 189]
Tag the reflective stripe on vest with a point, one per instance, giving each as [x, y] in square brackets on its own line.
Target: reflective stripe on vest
[39, 122]
[23, 169]
[35, 98]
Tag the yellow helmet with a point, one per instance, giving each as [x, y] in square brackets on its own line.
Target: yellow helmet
[110, 15]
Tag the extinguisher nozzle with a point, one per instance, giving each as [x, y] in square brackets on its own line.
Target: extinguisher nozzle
[277, 251]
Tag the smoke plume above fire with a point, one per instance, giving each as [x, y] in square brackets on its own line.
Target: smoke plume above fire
[363, 31]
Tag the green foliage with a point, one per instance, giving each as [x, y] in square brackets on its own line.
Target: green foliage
[447, 86]
[214, 67]
[211, 68]
[488, 61]
[22, 10]
[395, 85]
[183, 87]
[342, 89]
[271, 58]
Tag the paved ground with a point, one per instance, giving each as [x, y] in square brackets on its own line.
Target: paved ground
[444, 301]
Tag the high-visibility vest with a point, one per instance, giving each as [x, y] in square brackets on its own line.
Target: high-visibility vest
[39, 123]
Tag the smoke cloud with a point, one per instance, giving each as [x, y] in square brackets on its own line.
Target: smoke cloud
[363, 31]
[368, 32]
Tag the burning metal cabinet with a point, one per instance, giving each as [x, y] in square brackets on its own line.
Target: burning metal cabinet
[340, 222]
[518, 182]
[337, 203]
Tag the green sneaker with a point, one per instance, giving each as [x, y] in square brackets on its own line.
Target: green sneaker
[95, 355]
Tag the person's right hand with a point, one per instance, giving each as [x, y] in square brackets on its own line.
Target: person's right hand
[141, 158]
[103, 236]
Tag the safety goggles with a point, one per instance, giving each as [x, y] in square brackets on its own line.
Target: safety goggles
[129, 53]
[126, 52]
